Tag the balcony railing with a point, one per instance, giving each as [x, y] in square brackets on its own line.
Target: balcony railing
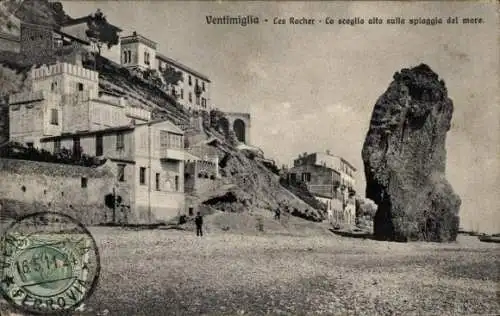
[171, 153]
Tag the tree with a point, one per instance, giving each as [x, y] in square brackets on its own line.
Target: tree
[10, 82]
[171, 76]
[100, 32]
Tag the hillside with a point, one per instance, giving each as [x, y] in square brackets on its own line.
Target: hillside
[254, 186]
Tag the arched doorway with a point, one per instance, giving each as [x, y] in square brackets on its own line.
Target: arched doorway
[239, 130]
[223, 126]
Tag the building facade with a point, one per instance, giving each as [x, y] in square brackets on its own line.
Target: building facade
[138, 52]
[65, 98]
[331, 180]
[192, 91]
[78, 28]
[39, 42]
[148, 161]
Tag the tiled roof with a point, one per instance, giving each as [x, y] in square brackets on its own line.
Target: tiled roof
[181, 66]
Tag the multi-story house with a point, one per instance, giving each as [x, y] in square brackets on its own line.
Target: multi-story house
[65, 98]
[78, 28]
[148, 159]
[39, 42]
[192, 91]
[138, 52]
[330, 179]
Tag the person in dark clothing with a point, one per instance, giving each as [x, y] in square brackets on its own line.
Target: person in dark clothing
[277, 214]
[198, 220]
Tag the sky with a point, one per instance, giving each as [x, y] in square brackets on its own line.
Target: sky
[313, 87]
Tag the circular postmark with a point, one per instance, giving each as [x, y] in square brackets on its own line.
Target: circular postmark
[49, 263]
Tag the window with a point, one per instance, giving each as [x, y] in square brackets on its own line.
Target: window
[196, 82]
[121, 172]
[84, 182]
[306, 177]
[157, 182]
[190, 97]
[203, 85]
[54, 117]
[191, 211]
[182, 93]
[76, 147]
[189, 81]
[80, 86]
[293, 177]
[120, 141]
[127, 56]
[53, 86]
[57, 146]
[176, 183]
[204, 102]
[142, 175]
[197, 100]
[170, 140]
[98, 145]
[146, 58]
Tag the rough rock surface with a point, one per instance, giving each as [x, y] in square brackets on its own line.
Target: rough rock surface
[404, 159]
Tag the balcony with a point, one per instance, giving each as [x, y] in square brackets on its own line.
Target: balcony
[171, 153]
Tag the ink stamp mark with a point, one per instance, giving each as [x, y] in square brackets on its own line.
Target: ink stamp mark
[49, 263]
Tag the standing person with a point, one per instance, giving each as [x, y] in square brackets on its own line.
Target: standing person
[277, 214]
[330, 216]
[198, 220]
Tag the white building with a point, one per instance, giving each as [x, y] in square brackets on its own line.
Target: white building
[192, 91]
[331, 180]
[65, 98]
[148, 159]
[78, 29]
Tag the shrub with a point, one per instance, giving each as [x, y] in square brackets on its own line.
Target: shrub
[64, 156]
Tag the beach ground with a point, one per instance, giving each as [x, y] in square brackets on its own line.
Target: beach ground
[171, 272]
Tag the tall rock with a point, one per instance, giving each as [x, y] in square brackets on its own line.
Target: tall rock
[404, 159]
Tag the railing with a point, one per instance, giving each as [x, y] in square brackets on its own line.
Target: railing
[171, 153]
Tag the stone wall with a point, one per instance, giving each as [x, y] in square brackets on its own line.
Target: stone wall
[9, 43]
[73, 190]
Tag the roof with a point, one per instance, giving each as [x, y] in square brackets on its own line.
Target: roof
[137, 37]
[174, 127]
[72, 37]
[53, 29]
[348, 163]
[189, 156]
[327, 154]
[86, 133]
[85, 19]
[181, 66]
[109, 130]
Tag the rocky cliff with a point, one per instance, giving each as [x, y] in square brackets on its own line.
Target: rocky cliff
[404, 159]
